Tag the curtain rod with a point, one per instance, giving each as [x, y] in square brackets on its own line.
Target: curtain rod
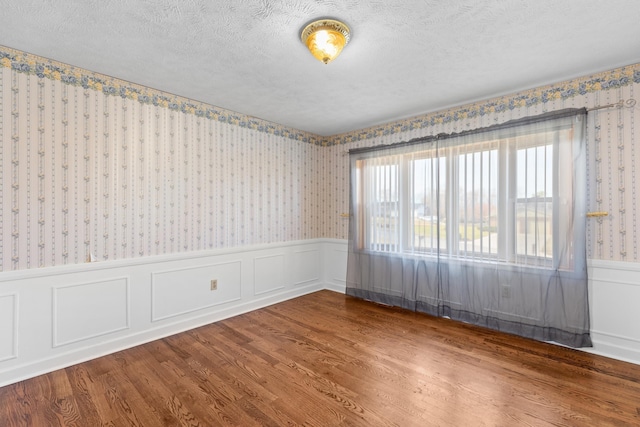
[567, 112]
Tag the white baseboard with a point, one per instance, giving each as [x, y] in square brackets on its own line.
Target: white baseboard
[611, 346]
[341, 289]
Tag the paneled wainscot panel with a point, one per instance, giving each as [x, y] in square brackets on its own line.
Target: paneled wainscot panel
[185, 290]
[268, 273]
[335, 265]
[88, 310]
[615, 318]
[8, 327]
[306, 267]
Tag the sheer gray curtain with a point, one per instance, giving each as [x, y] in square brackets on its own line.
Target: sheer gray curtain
[485, 226]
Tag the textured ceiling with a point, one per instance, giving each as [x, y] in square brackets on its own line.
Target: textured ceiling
[405, 58]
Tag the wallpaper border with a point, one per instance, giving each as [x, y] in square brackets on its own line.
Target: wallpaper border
[27, 63]
[606, 80]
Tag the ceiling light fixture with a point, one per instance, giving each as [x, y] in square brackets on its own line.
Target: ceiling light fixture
[325, 38]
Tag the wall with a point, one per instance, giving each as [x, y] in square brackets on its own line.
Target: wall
[162, 194]
[95, 166]
[613, 186]
[168, 194]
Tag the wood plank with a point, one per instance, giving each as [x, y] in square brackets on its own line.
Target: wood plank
[326, 359]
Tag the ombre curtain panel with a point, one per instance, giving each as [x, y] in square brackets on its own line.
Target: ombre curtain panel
[485, 226]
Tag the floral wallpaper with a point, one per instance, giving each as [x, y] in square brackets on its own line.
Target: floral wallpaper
[84, 173]
[91, 166]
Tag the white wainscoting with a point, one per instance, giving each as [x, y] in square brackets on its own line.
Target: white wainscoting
[614, 294]
[55, 317]
[268, 272]
[185, 290]
[87, 310]
[335, 264]
[306, 266]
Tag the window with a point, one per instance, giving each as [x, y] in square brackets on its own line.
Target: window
[499, 197]
[486, 226]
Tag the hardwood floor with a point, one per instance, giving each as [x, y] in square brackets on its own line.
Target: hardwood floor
[326, 359]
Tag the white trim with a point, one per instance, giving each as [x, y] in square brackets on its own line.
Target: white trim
[255, 277]
[336, 288]
[617, 282]
[193, 310]
[54, 311]
[8, 276]
[613, 265]
[312, 279]
[617, 336]
[15, 346]
[612, 350]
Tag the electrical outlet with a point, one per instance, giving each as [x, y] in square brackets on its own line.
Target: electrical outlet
[214, 284]
[506, 291]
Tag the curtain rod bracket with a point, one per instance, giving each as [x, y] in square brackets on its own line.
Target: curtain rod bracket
[597, 214]
[629, 103]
